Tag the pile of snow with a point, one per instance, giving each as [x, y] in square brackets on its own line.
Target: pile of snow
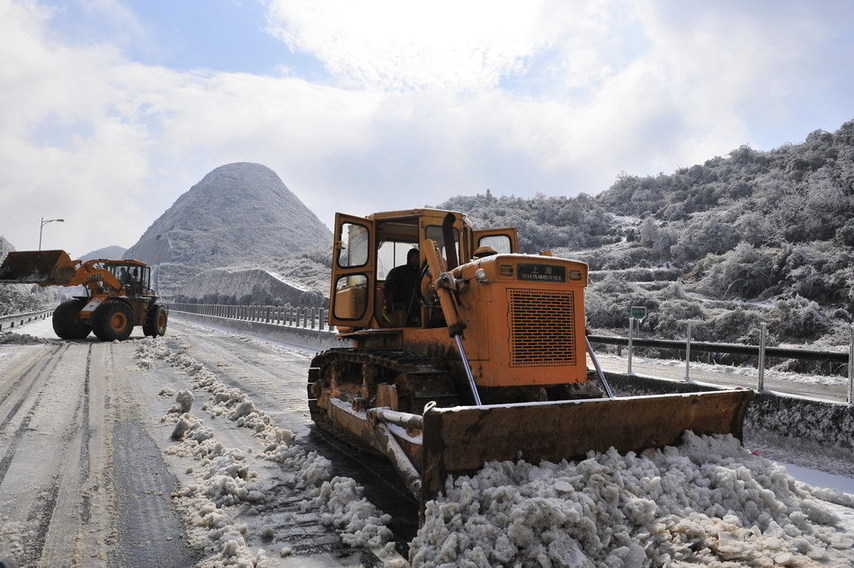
[10, 338]
[225, 488]
[708, 502]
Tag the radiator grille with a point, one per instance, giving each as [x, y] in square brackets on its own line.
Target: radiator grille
[542, 328]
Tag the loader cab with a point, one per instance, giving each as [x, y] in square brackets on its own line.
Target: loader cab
[134, 277]
[366, 249]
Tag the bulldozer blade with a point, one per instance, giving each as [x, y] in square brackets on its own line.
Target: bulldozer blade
[461, 440]
[45, 267]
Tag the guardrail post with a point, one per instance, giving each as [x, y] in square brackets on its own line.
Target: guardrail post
[631, 336]
[761, 364]
[688, 354]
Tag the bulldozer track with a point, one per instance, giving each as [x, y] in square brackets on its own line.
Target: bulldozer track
[390, 366]
[75, 471]
[392, 359]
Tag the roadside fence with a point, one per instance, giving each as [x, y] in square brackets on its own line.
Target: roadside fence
[315, 318]
[10, 321]
[761, 352]
[287, 315]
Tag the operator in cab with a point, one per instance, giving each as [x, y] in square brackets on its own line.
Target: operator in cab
[400, 287]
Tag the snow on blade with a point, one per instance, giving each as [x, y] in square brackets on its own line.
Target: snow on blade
[708, 502]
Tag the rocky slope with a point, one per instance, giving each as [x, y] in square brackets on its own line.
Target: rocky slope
[238, 215]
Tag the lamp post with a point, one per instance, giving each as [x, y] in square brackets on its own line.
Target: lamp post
[45, 222]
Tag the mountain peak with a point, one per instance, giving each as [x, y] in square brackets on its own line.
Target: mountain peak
[237, 213]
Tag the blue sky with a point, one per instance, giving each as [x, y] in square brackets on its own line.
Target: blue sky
[114, 108]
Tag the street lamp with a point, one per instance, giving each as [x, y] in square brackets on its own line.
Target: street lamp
[45, 222]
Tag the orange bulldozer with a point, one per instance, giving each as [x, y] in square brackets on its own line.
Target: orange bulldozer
[486, 360]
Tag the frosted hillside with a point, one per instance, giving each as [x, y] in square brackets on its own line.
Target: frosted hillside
[237, 214]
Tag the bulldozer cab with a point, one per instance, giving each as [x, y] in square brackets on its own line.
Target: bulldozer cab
[367, 249]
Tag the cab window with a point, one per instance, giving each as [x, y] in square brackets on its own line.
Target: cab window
[501, 243]
[354, 246]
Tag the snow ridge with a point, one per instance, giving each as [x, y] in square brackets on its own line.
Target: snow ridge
[225, 489]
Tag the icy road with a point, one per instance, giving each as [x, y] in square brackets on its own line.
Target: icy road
[106, 459]
[196, 449]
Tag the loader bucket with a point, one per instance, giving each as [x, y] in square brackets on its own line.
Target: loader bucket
[461, 440]
[45, 267]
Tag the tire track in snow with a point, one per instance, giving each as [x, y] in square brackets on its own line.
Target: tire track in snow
[32, 385]
[34, 375]
[55, 545]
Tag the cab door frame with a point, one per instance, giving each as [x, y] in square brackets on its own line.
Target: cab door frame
[354, 280]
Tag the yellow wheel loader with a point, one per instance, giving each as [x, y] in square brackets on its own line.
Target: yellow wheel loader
[489, 360]
[118, 293]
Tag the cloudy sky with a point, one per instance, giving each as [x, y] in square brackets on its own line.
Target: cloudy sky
[111, 109]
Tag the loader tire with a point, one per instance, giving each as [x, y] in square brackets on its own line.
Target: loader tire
[155, 321]
[113, 320]
[66, 320]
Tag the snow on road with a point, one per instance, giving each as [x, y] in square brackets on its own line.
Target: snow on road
[202, 432]
[238, 488]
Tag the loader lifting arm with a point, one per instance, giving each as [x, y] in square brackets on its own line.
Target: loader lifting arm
[56, 268]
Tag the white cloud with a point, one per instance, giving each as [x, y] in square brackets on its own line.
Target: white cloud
[389, 44]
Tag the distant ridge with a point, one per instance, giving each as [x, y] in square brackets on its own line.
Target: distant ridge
[113, 252]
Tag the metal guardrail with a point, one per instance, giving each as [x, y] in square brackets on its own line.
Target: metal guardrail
[287, 315]
[761, 352]
[11, 321]
[730, 348]
[316, 318]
